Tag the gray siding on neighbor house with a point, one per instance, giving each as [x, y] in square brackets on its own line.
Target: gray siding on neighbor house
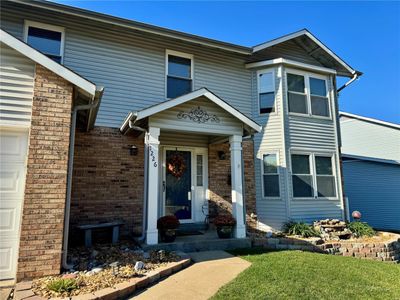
[131, 65]
[16, 88]
[374, 190]
[367, 139]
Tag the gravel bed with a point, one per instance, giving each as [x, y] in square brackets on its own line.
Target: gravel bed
[104, 266]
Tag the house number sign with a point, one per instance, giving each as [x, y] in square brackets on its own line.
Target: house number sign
[153, 157]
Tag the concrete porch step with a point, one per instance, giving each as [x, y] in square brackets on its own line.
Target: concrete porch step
[198, 244]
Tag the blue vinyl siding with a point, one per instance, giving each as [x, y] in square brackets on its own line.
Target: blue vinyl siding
[374, 190]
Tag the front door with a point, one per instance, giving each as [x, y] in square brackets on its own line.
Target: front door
[178, 184]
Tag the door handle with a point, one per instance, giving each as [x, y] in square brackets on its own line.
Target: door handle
[163, 184]
[189, 195]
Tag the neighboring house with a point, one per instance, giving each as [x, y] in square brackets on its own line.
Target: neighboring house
[371, 169]
[186, 125]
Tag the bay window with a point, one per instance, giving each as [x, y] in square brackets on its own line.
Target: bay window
[325, 177]
[270, 176]
[179, 73]
[307, 94]
[301, 176]
[266, 92]
[297, 94]
[313, 176]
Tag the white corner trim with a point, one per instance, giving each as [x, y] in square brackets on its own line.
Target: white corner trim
[46, 62]
[289, 62]
[309, 35]
[193, 95]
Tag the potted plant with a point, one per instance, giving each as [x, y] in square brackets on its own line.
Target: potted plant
[224, 224]
[167, 227]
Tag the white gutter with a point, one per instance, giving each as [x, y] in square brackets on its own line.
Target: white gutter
[354, 78]
[289, 62]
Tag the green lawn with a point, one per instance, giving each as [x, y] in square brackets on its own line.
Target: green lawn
[304, 275]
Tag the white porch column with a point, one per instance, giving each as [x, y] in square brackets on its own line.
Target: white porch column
[237, 188]
[152, 186]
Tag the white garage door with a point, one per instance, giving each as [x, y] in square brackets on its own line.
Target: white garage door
[13, 152]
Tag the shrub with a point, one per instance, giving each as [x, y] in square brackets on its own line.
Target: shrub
[168, 222]
[62, 285]
[224, 220]
[360, 229]
[300, 228]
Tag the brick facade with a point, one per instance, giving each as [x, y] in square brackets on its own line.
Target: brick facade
[107, 181]
[220, 180]
[45, 189]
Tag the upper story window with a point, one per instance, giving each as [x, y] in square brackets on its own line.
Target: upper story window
[270, 175]
[313, 176]
[179, 73]
[307, 95]
[266, 92]
[47, 39]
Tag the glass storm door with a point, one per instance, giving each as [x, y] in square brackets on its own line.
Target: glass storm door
[178, 184]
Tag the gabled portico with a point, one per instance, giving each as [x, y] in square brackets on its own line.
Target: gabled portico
[181, 123]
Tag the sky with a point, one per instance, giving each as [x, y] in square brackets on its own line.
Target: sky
[364, 34]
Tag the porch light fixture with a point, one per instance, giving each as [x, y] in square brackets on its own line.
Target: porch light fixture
[221, 155]
[133, 150]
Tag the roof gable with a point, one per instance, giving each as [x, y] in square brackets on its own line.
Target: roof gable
[203, 92]
[313, 47]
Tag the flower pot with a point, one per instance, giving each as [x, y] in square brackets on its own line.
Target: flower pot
[224, 232]
[168, 235]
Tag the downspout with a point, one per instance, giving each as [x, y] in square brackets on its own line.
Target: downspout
[354, 78]
[146, 168]
[67, 212]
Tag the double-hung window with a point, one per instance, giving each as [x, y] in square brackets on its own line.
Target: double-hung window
[297, 94]
[307, 95]
[302, 179]
[47, 39]
[270, 176]
[266, 92]
[326, 185]
[179, 74]
[313, 176]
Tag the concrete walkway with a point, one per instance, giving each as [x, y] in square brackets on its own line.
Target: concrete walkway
[211, 270]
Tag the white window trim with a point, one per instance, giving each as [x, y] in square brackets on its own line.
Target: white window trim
[179, 54]
[313, 172]
[275, 152]
[60, 29]
[333, 164]
[307, 90]
[264, 71]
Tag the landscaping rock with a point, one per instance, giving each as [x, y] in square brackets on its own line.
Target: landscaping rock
[94, 271]
[69, 276]
[139, 265]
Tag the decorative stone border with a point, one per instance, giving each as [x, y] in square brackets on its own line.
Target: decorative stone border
[388, 251]
[119, 291]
